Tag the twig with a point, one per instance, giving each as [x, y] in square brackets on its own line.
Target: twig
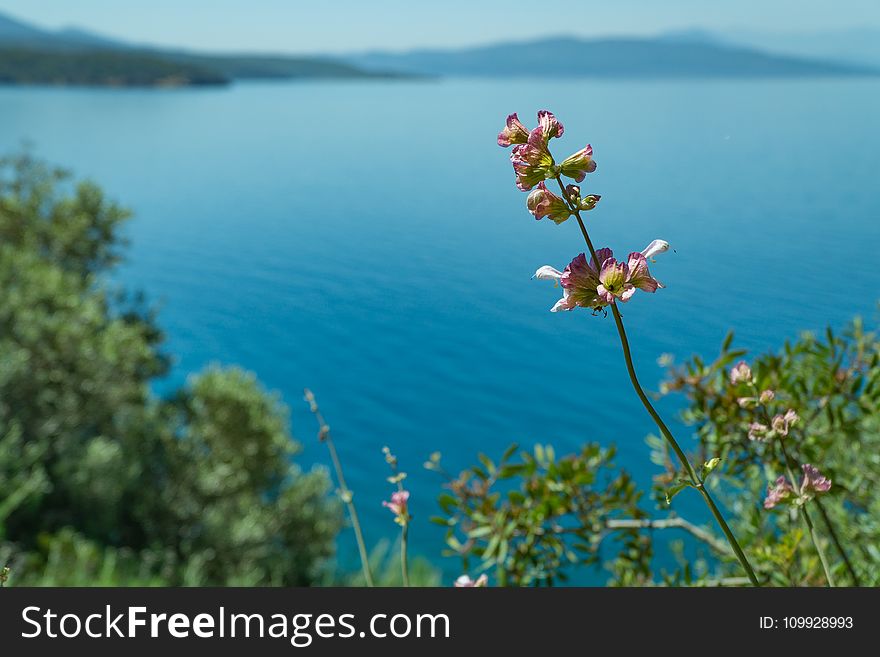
[814, 536]
[344, 492]
[671, 523]
[836, 540]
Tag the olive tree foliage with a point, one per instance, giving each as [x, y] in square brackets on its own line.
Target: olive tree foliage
[101, 481]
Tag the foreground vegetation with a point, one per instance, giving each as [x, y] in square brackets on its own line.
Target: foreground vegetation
[100, 480]
[103, 482]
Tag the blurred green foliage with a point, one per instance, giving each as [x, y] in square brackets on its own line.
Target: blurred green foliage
[533, 517]
[832, 382]
[100, 481]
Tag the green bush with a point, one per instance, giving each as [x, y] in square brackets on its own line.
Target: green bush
[99, 479]
[533, 518]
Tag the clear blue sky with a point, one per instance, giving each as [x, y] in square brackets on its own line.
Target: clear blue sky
[347, 25]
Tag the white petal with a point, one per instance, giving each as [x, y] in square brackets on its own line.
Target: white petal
[562, 304]
[548, 273]
[654, 248]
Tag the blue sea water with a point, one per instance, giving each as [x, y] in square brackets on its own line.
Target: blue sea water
[366, 240]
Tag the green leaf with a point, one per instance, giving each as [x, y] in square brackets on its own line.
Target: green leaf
[478, 532]
[509, 452]
[727, 342]
[676, 488]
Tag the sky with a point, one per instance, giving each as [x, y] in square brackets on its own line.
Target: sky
[333, 26]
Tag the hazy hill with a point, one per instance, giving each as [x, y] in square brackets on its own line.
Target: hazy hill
[611, 57]
[31, 55]
[855, 46]
[100, 68]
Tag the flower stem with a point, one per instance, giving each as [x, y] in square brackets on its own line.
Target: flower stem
[404, 566]
[344, 492]
[667, 434]
[836, 540]
[577, 215]
[814, 537]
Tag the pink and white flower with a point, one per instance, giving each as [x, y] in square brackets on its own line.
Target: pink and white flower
[813, 482]
[780, 492]
[514, 132]
[531, 161]
[740, 373]
[465, 582]
[782, 423]
[399, 506]
[586, 285]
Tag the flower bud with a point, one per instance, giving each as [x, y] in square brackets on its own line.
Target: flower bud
[589, 202]
[767, 396]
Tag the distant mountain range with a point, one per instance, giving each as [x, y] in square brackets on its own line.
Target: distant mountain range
[660, 57]
[29, 54]
[860, 46]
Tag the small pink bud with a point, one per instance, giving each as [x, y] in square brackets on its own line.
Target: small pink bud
[767, 396]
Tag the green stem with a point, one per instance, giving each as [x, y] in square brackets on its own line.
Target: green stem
[345, 493]
[837, 544]
[404, 566]
[667, 434]
[814, 537]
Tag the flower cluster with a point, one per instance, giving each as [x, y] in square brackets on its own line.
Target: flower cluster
[530, 155]
[603, 280]
[778, 428]
[812, 484]
[596, 284]
[398, 506]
